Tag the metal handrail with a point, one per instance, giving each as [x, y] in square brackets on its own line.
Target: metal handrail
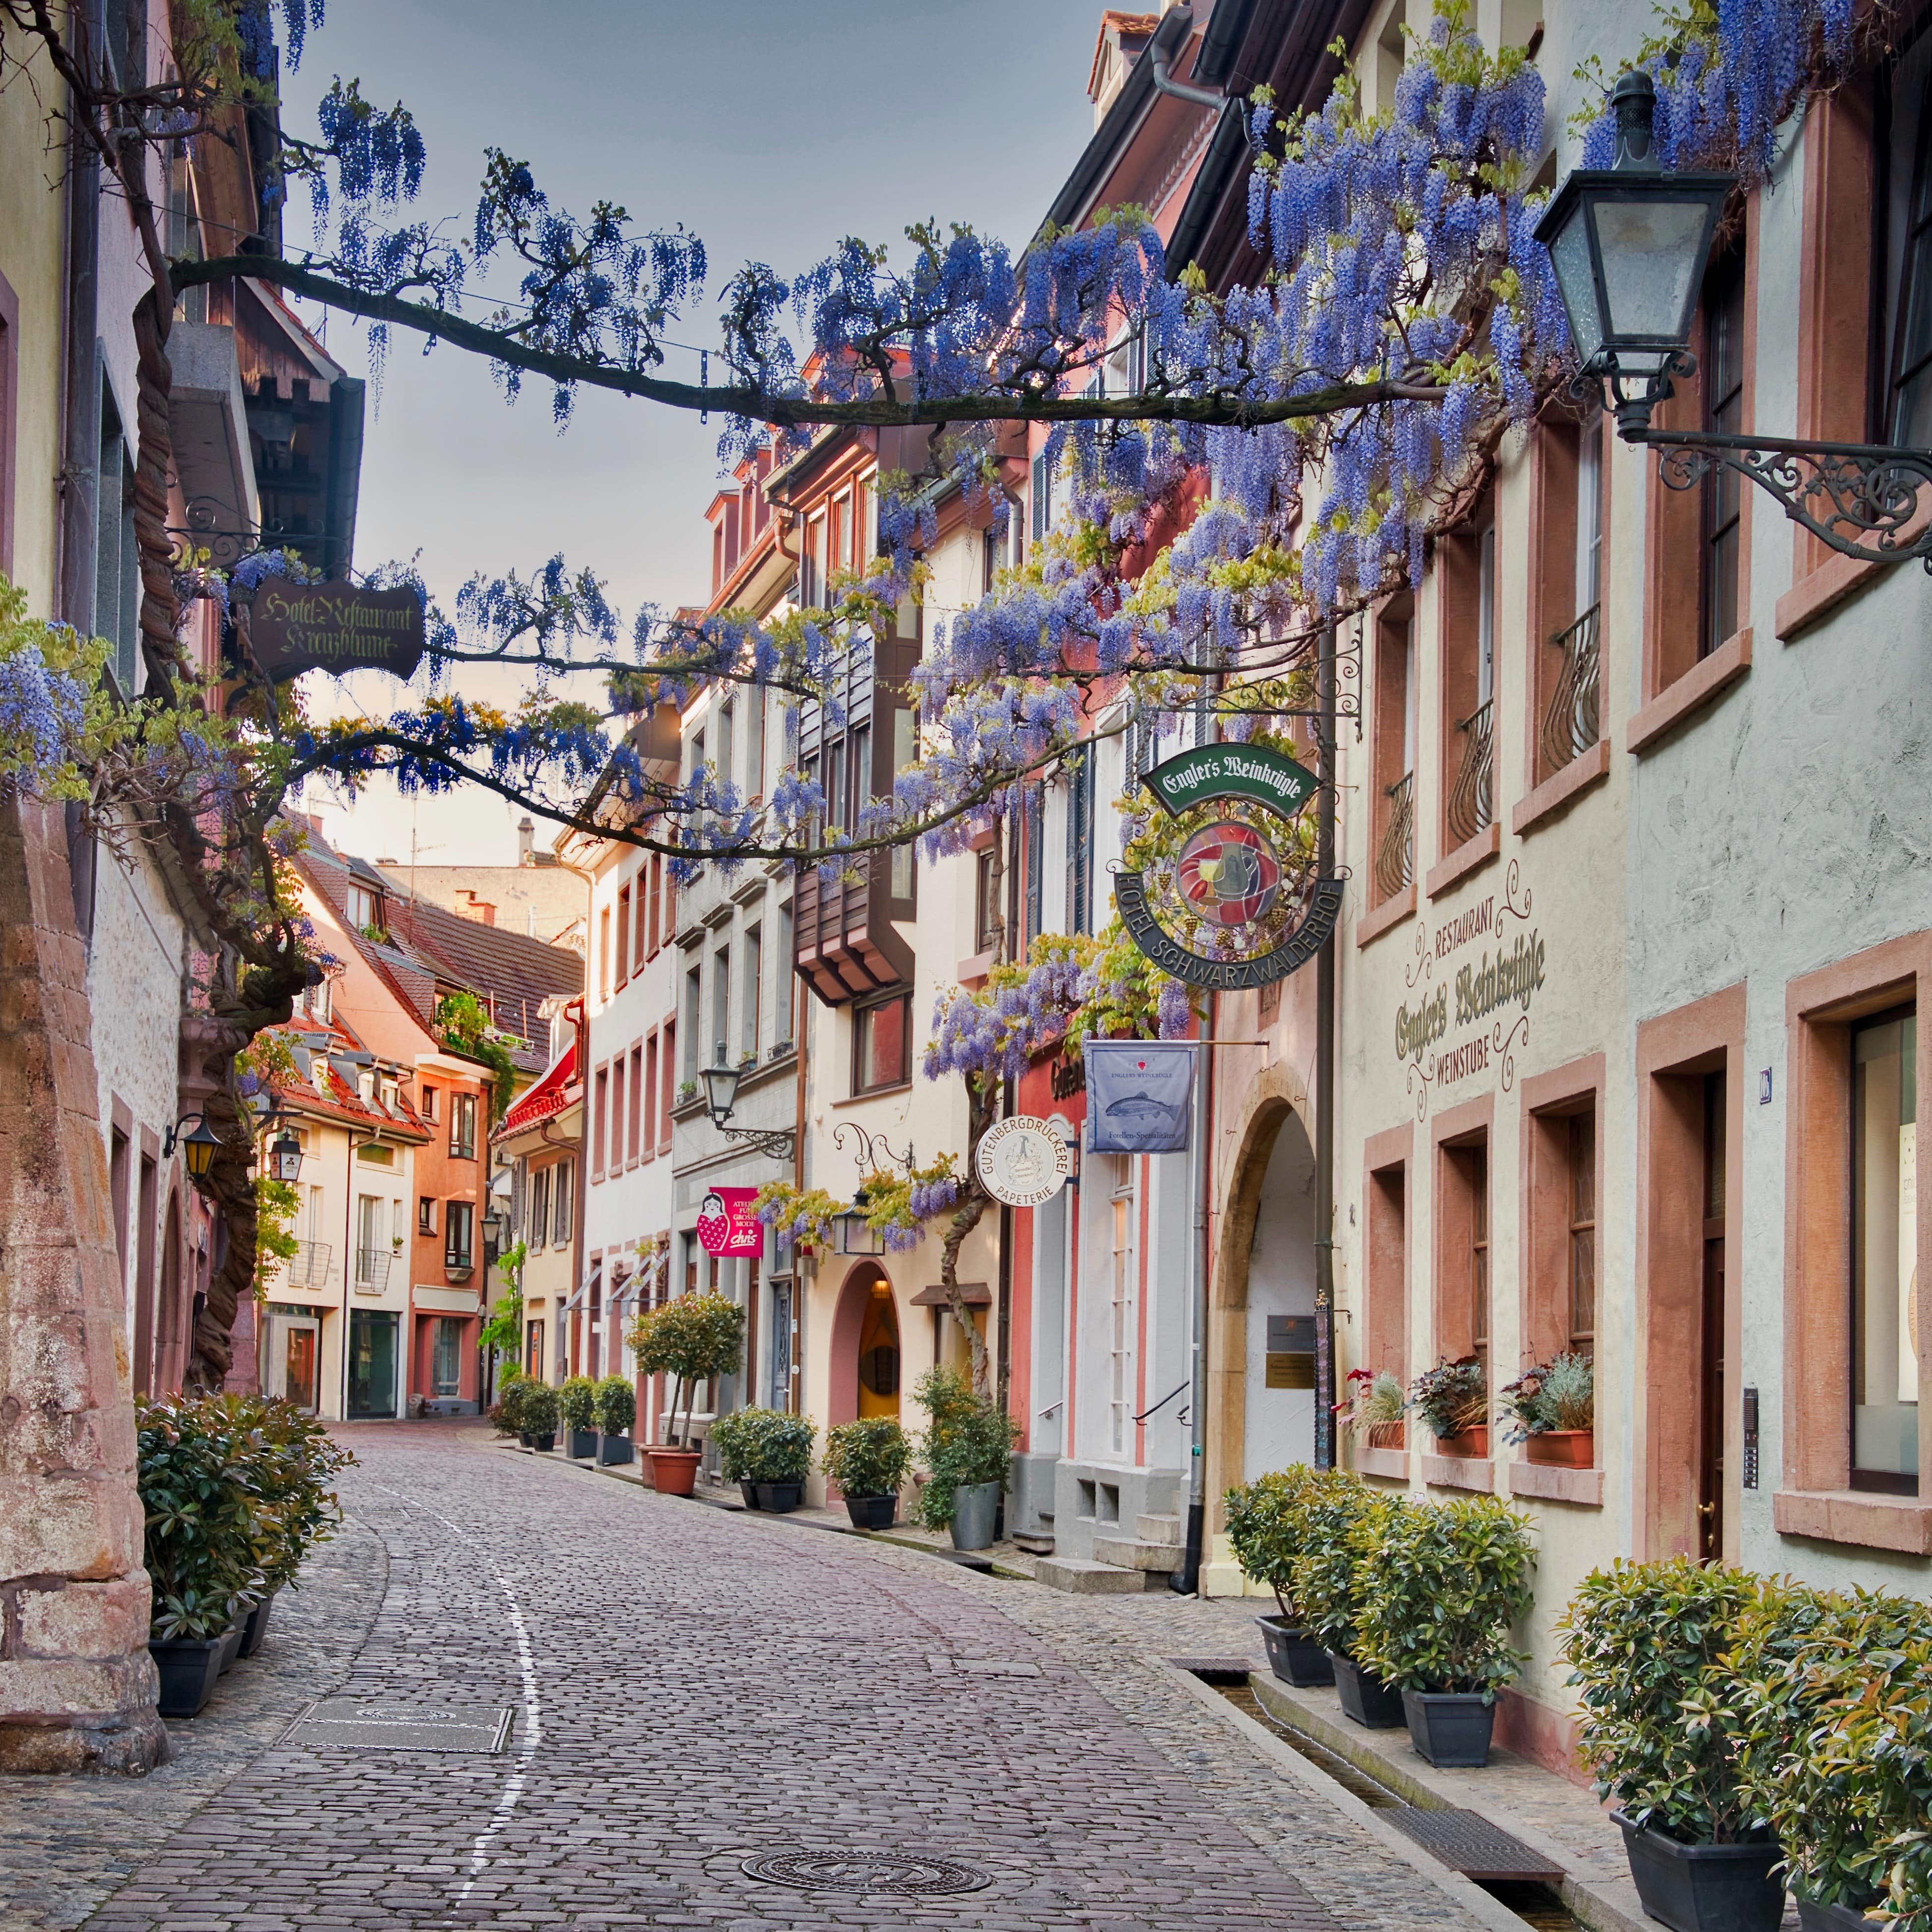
[1472, 796]
[1395, 857]
[372, 1267]
[1572, 724]
[308, 1266]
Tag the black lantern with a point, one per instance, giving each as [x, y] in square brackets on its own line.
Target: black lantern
[285, 1157]
[721, 1090]
[198, 1150]
[857, 1235]
[1628, 244]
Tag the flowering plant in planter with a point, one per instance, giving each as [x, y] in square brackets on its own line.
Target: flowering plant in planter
[970, 1442]
[1374, 1408]
[1452, 1398]
[1558, 1394]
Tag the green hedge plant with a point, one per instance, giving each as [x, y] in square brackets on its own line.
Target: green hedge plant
[538, 1409]
[970, 1441]
[1439, 1586]
[1336, 1517]
[506, 1418]
[1833, 1694]
[870, 1457]
[576, 1402]
[764, 1445]
[1659, 1726]
[297, 1461]
[1265, 1526]
[614, 1403]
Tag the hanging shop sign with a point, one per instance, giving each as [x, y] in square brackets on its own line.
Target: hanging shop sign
[1022, 1161]
[728, 1223]
[335, 627]
[1237, 903]
[1140, 1096]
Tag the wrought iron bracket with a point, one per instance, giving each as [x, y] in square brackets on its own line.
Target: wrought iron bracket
[872, 1154]
[778, 1143]
[1863, 499]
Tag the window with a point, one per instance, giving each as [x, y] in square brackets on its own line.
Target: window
[562, 1226]
[839, 525]
[599, 1119]
[1394, 749]
[623, 935]
[1385, 1255]
[812, 565]
[1723, 489]
[539, 1221]
[604, 953]
[754, 749]
[986, 922]
[1080, 838]
[1476, 1163]
[690, 1263]
[1581, 1136]
[881, 1045]
[365, 909]
[425, 1212]
[462, 1126]
[782, 1020]
[1566, 588]
[721, 1006]
[1461, 1298]
[1043, 497]
[1468, 571]
[751, 997]
[1908, 413]
[693, 1021]
[1035, 862]
[728, 729]
[633, 1146]
[1885, 1247]
[1120, 1323]
[429, 1103]
[10, 392]
[655, 937]
[459, 1219]
[905, 751]
[117, 562]
[446, 1357]
[696, 756]
[670, 1061]
[651, 1131]
[372, 1249]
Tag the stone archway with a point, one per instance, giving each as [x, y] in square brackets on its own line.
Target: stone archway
[1276, 1099]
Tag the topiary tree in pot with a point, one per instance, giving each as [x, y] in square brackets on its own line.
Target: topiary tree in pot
[506, 1418]
[1266, 1520]
[1659, 1728]
[1339, 1517]
[538, 1412]
[1441, 1584]
[869, 1460]
[692, 1339]
[767, 1453]
[577, 1403]
[1835, 1746]
[967, 1447]
[614, 1403]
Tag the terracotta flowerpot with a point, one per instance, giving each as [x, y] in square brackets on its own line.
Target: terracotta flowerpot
[673, 1472]
[1563, 1448]
[1388, 1435]
[1472, 1444]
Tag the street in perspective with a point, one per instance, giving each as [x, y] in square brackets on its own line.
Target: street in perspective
[959, 965]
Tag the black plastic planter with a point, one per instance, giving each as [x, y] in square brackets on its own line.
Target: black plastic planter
[231, 1648]
[1294, 1656]
[1816, 1917]
[749, 1491]
[580, 1443]
[873, 1512]
[780, 1499]
[188, 1665]
[1375, 1705]
[1705, 1887]
[255, 1626]
[613, 1449]
[543, 1441]
[1451, 1729]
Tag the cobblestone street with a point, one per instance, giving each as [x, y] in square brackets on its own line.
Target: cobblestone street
[693, 1689]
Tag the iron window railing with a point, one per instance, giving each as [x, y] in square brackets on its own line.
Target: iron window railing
[1395, 857]
[1472, 796]
[372, 1269]
[308, 1266]
[1572, 724]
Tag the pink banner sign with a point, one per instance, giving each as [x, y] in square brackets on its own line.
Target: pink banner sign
[727, 1223]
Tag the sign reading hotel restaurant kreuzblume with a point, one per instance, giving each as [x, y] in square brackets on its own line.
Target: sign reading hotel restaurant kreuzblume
[336, 627]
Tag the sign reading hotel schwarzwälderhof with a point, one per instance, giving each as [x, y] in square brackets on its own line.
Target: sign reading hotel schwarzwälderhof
[1233, 899]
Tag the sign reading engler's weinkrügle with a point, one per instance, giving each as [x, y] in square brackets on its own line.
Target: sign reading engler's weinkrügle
[336, 627]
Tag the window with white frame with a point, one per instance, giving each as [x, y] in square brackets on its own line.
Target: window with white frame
[1122, 1301]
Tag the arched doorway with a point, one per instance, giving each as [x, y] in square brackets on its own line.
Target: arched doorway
[1261, 1385]
[865, 1353]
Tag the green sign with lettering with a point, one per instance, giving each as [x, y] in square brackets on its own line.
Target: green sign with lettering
[1271, 777]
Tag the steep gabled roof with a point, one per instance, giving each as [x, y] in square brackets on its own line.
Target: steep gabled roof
[328, 1056]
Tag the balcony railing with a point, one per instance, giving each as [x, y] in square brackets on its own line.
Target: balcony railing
[1395, 857]
[308, 1266]
[372, 1270]
[1472, 796]
[1571, 725]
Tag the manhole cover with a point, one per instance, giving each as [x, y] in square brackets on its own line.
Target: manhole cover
[903, 1872]
[353, 1723]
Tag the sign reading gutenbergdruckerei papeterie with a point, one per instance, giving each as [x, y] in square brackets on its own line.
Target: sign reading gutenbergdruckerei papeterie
[337, 627]
[1237, 903]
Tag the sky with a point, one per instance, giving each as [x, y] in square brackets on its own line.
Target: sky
[772, 128]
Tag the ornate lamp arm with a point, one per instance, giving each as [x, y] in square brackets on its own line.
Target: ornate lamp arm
[777, 1142]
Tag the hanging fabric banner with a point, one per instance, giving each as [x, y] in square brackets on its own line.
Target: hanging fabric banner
[1140, 1095]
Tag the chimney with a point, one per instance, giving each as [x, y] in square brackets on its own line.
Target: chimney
[482, 910]
[526, 841]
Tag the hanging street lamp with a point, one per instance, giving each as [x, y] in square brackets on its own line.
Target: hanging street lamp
[721, 1096]
[1628, 245]
[285, 1157]
[857, 1235]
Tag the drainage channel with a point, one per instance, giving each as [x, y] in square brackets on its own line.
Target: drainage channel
[1536, 1905]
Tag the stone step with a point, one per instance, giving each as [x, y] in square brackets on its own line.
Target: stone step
[1086, 1579]
[1158, 1529]
[1127, 1552]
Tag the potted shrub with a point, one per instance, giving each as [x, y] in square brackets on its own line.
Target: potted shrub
[208, 1526]
[1444, 1583]
[576, 1404]
[1453, 1399]
[967, 1446]
[767, 1453]
[692, 1339]
[1324, 1585]
[1659, 1728]
[294, 1460]
[869, 1460]
[538, 1411]
[1552, 1410]
[1265, 1526]
[614, 1403]
[1374, 1408]
[1835, 1746]
[506, 1418]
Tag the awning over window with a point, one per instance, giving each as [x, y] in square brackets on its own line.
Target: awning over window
[974, 1294]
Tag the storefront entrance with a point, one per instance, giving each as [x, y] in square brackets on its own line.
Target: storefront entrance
[865, 1348]
[372, 1364]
